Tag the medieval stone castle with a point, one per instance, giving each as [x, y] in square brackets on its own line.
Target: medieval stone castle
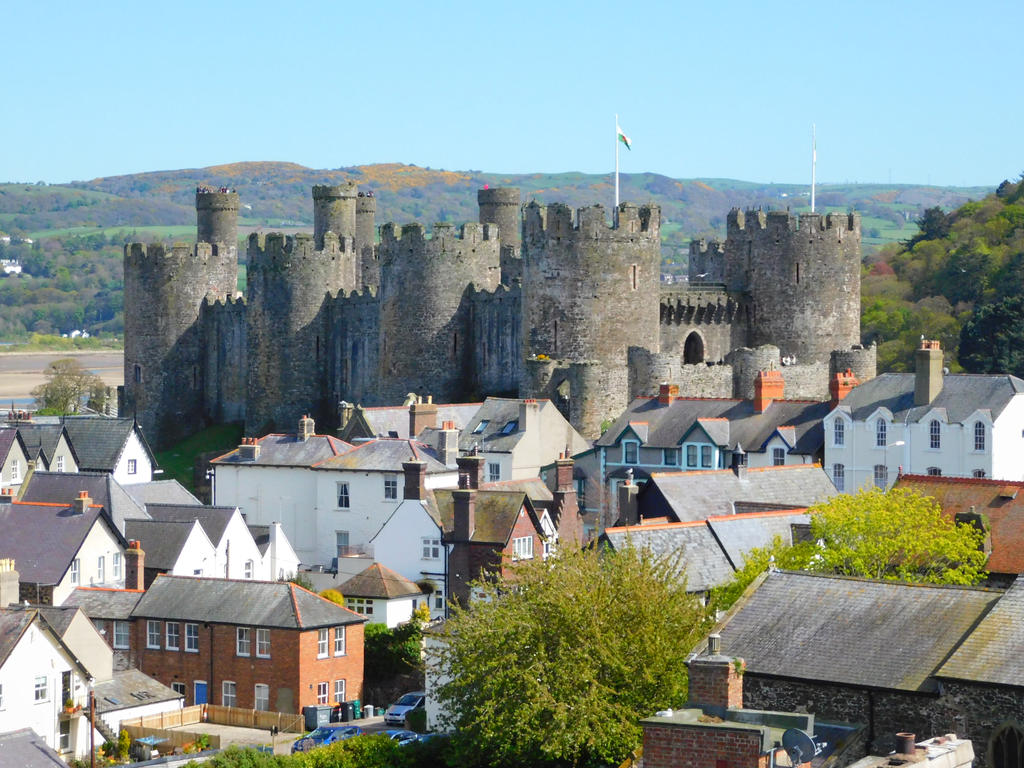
[539, 301]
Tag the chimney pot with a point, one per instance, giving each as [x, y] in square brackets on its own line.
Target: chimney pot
[666, 392]
[905, 742]
[714, 644]
[82, 503]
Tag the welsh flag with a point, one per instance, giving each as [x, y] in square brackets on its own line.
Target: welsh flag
[624, 138]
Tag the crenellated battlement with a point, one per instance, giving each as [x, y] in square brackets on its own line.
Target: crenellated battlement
[276, 250]
[233, 301]
[560, 221]
[334, 191]
[157, 255]
[702, 246]
[755, 222]
[368, 295]
[699, 307]
[411, 241]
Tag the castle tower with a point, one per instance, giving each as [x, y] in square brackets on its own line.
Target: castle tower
[424, 304]
[501, 206]
[367, 268]
[589, 292]
[803, 277]
[334, 210]
[217, 216]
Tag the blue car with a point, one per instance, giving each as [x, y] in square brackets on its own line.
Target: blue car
[401, 736]
[326, 734]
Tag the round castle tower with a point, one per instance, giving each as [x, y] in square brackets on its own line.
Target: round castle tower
[334, 210]
[367, 266]
[424, 309]
[500, 205]
[217, 216]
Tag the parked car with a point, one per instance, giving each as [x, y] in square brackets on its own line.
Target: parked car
[325, 734]
[396, 712]
[401, 736]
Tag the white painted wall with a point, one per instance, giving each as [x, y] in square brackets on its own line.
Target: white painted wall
[62, 451]
[399, 546]
[12, 472]
[133, 451]
[198, 556]
[435, 676]
[235, 548]
[99, 542]
[1008, 442]
[280, 560]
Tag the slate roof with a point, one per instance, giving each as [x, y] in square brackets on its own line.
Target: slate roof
[727, 422]
[962, 394]
[41, 439]
[58, 616]
[1000, 501]
[101, 603]
[43, 539]
[384, 455]
[994, 651]
[131, 688]
[876, 634]
[495, 514]
[161, 540]
[289, 451]
[497, 412]
[740, 533]
[393, 420]
[279, 604]
[260, 537]
[12, 626]
[103, 489]
[380, 583]
[533, 487]
[161, 492]
[27, 749]
[214, 520]
[8, 437]
[701, 494]
[99, 441]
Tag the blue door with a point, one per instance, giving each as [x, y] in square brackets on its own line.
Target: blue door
[200, 690]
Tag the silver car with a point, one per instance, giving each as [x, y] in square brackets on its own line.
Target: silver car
[396, 712]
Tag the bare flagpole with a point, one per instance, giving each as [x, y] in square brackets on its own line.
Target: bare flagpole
[814, 161]
[616, 162]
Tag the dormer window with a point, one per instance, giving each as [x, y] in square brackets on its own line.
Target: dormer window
[630, 452]
[881, 433]
[481, 426]
[510, 427]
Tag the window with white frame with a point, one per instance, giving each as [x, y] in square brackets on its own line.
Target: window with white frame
[671, 457]
[60, 464]
[431, 549]
[117, 566]
[229, 693]
[390, 488]
[934, 471]
[881, 433]
[261, 697]
[15, 471]
[839, 477]
[152, 634]
[121, 635]
[839, 432]
[173, 635]
[881, 476]
[321, 692]
[630, 452]
[361, 605]
[101, 569]
[778, 457]
[705, 457]
[344, 501]
[132, 466]
[248, 569]
[321, 643]
[76, 571]
[522, 547]
[243, 641]
[339, 641]
[934, 434]
[339, 690]
[979, 436]
[178, 688]
[438, 600]
[192, 638]
[493, 471]
[263, 643]
[42, 688]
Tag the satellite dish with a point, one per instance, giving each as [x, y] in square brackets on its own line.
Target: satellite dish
[799, 746]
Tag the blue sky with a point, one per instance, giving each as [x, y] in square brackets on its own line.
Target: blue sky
[907, 92]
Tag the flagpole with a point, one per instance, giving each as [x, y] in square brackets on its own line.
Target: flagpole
[814, 162]
[616, 162]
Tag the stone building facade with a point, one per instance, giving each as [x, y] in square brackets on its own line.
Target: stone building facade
[534, 301]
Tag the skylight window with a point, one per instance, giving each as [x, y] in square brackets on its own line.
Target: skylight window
[481, 426]
[511, 427]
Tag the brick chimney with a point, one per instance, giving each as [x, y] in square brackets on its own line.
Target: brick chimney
[464, 513]
[666, 392]
[529, 415]
[134, 566]
[716, 682]
[448, 443]
[422, 415]
[768, 386]
[473, 467]
[566, 505]
[927, 372]
[6, 495]
[840, 385]
[249, 449]
[9, 583]
[415, 480]
[307, 428]
[82, 503]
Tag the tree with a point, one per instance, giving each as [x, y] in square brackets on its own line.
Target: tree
[554, 665]
[992, 340]
[67, 386]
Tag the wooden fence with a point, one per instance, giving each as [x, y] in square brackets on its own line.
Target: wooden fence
[173, 738]
[253, 718]
[159, 724]
[173, 719]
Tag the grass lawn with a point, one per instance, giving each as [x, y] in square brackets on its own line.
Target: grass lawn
[185, 232]
[177, 462]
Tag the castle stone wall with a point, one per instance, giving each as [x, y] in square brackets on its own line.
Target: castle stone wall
[717, 318]
[707, 262]
[705, 380]
[224, 355]
[496, 353]
[367, 268]
[355, 352]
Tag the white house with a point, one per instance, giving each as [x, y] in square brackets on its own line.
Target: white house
[114, 446]
[14, 459]
[48, 445]
[926, 423]
[382, 596]
[180, 548]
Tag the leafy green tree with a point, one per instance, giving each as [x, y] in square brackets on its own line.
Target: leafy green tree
[554, 665]
[992, 340]
[68, 385]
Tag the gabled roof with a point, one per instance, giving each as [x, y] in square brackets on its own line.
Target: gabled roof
[43, 539]
[162, 541]
[701, 494]
[42, 439]
[962, 394]
[12, 626]
[288, 451]
[728, 422]
[495, 514]
[9, 437]
[380, 583]
[103, 489]
[278, 604]
[131, 688]
[160, 492]
[214, 520]
[98, 441]
[384, 455]
[994, 651]
[533, 487]
[1000, 501]
[27, 749]
[103, 603]
[393, 420]
[260, 536]
[876, 634]
[497, 412]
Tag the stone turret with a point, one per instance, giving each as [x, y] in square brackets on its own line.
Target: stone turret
[367, 268]
[217, 216]
[334, 210]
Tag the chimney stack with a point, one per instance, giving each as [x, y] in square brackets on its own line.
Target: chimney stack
[529, 415]
[448, 443]
[472, 467]
[629, 509]
[927, 372]
[9, 583]
[6, 495]
[566, 505]
[666, 392]
[82, 503]
[415, 480]
[345, 411]
[768, 386]
[422, 415]
[716, 681]
[840, 385]
[307, 428]
[134, 566]
[464, 513]
[249, 449]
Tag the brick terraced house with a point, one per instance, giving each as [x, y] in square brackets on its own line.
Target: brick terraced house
[249, 644]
